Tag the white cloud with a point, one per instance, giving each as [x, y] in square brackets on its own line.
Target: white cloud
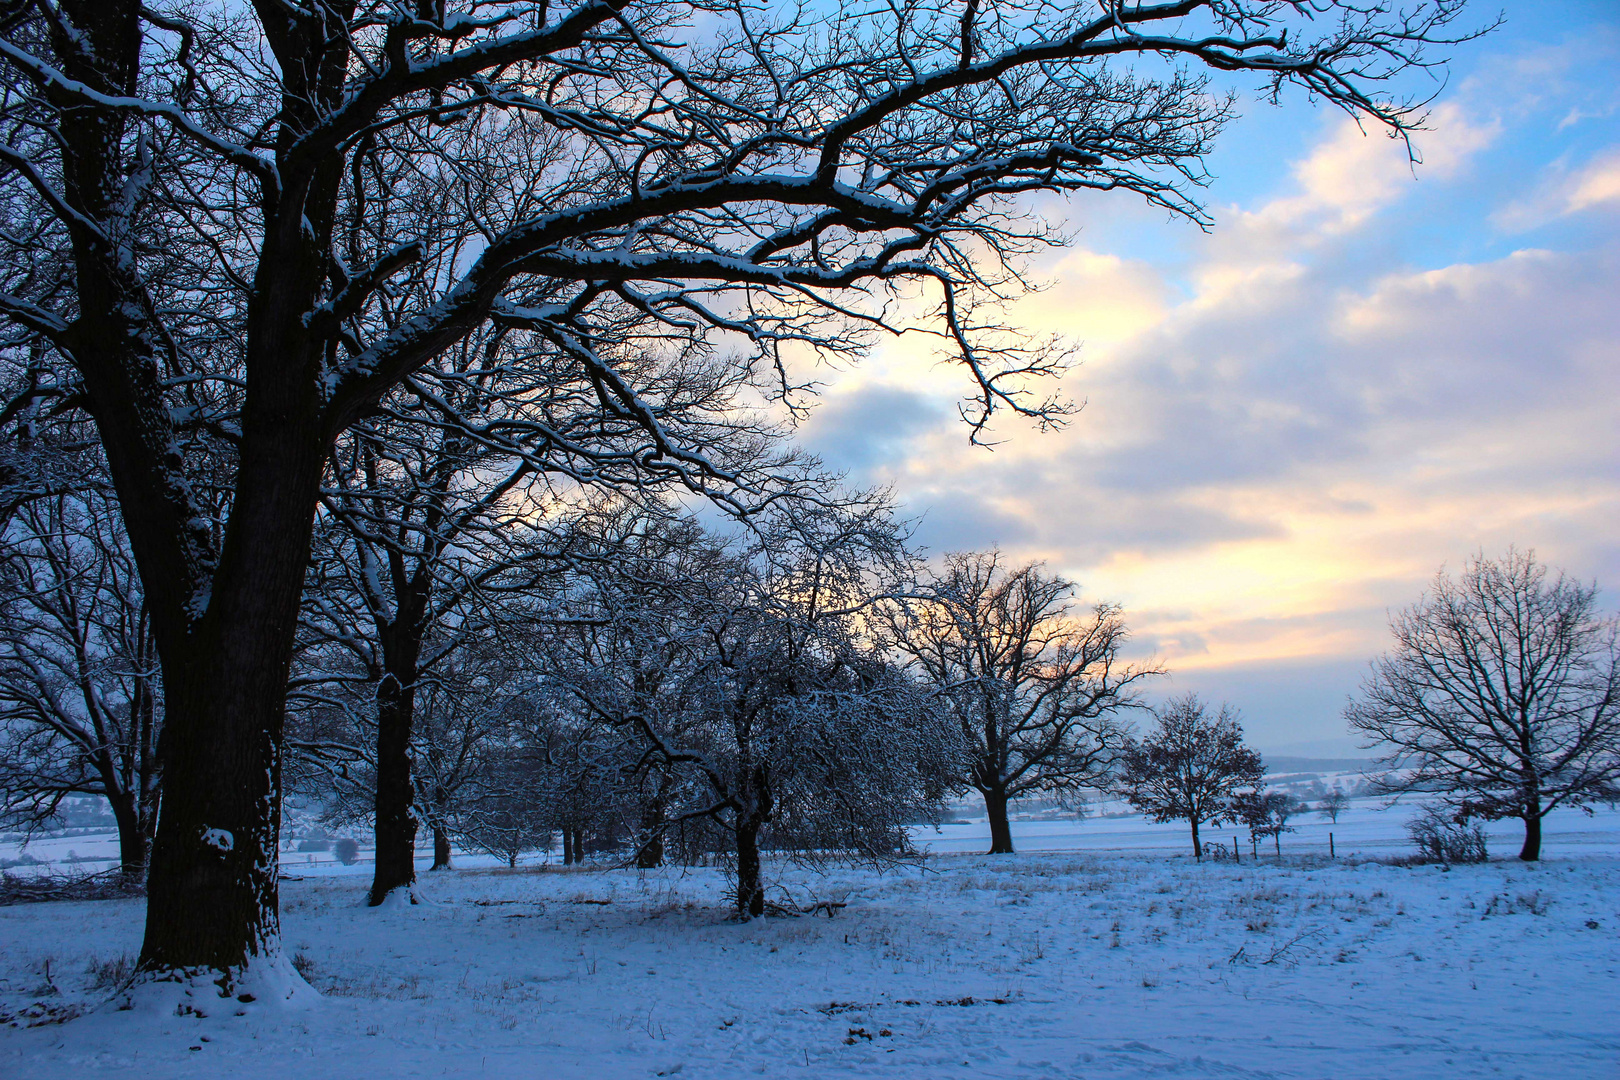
[1354, 172]
[1594, 186]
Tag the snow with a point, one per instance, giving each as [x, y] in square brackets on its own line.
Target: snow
[1125, 959]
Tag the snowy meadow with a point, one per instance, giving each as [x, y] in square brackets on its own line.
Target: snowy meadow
[1111, 953]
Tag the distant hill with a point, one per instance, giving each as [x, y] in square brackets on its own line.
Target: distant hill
[1281, 764]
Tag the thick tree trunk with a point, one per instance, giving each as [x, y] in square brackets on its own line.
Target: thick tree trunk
[579, 844]
[1198, 848]
[395, 866]
[1531, 851]
[213, 882]
[441, 848]
[995, 808]
[567, 846]
[212, 889]
[224, 625]
[750, 896]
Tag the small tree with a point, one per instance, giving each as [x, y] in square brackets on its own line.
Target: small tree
[1332, 804]
[1190, 767]
[1503, 694]
[1266, 814]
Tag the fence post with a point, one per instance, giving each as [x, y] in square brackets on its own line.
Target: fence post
[1331, 853]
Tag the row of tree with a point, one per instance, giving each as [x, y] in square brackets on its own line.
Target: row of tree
[617, 672]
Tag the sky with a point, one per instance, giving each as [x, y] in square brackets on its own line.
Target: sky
[1365, 373]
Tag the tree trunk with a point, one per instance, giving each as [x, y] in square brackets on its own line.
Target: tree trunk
[1198, 848]
[133, 841]
[212, 888]
[650, 849]
[441, 848]
[567, 847]
[395, 805]
[750, 896]
[1531, 851]
[995, 808]
[579, 844]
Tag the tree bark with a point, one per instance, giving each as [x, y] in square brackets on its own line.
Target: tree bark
[134, 843]
[650, 849]
[441, 848]
[995, 808]
[212, 889]
[1531, 851]
[579, 844]
[1198, 848]
[395, 804]
[750, 896]
[212, 893]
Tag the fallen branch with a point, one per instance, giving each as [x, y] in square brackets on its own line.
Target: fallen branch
[38, 888]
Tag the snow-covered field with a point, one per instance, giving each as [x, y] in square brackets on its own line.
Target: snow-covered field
[1122, 958]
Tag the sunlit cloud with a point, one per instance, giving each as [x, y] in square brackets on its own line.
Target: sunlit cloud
[1288, 431]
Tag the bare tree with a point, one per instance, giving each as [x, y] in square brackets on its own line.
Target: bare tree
[757, 707]
[1503, 693]
[193, 232]
[1332, 804]
[409, 547]
[618, 644]
[1035, 690]
[510, 815]
[1266, 813]
[1191, 767]
[81, 703]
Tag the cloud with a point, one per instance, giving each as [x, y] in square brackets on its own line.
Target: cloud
[1098, 299]
[1288, 432]
[859, 427]
[1352, 174]
[1287, 705]
[1594, 187]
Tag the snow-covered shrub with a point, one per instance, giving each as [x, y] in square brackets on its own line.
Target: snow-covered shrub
[1440, 837]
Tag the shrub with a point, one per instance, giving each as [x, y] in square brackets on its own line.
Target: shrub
[1441, 837]
[347, 851]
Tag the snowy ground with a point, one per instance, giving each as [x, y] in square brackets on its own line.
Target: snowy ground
[1121, 960]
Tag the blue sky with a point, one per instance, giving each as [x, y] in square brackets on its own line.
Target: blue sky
[1365, 372]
